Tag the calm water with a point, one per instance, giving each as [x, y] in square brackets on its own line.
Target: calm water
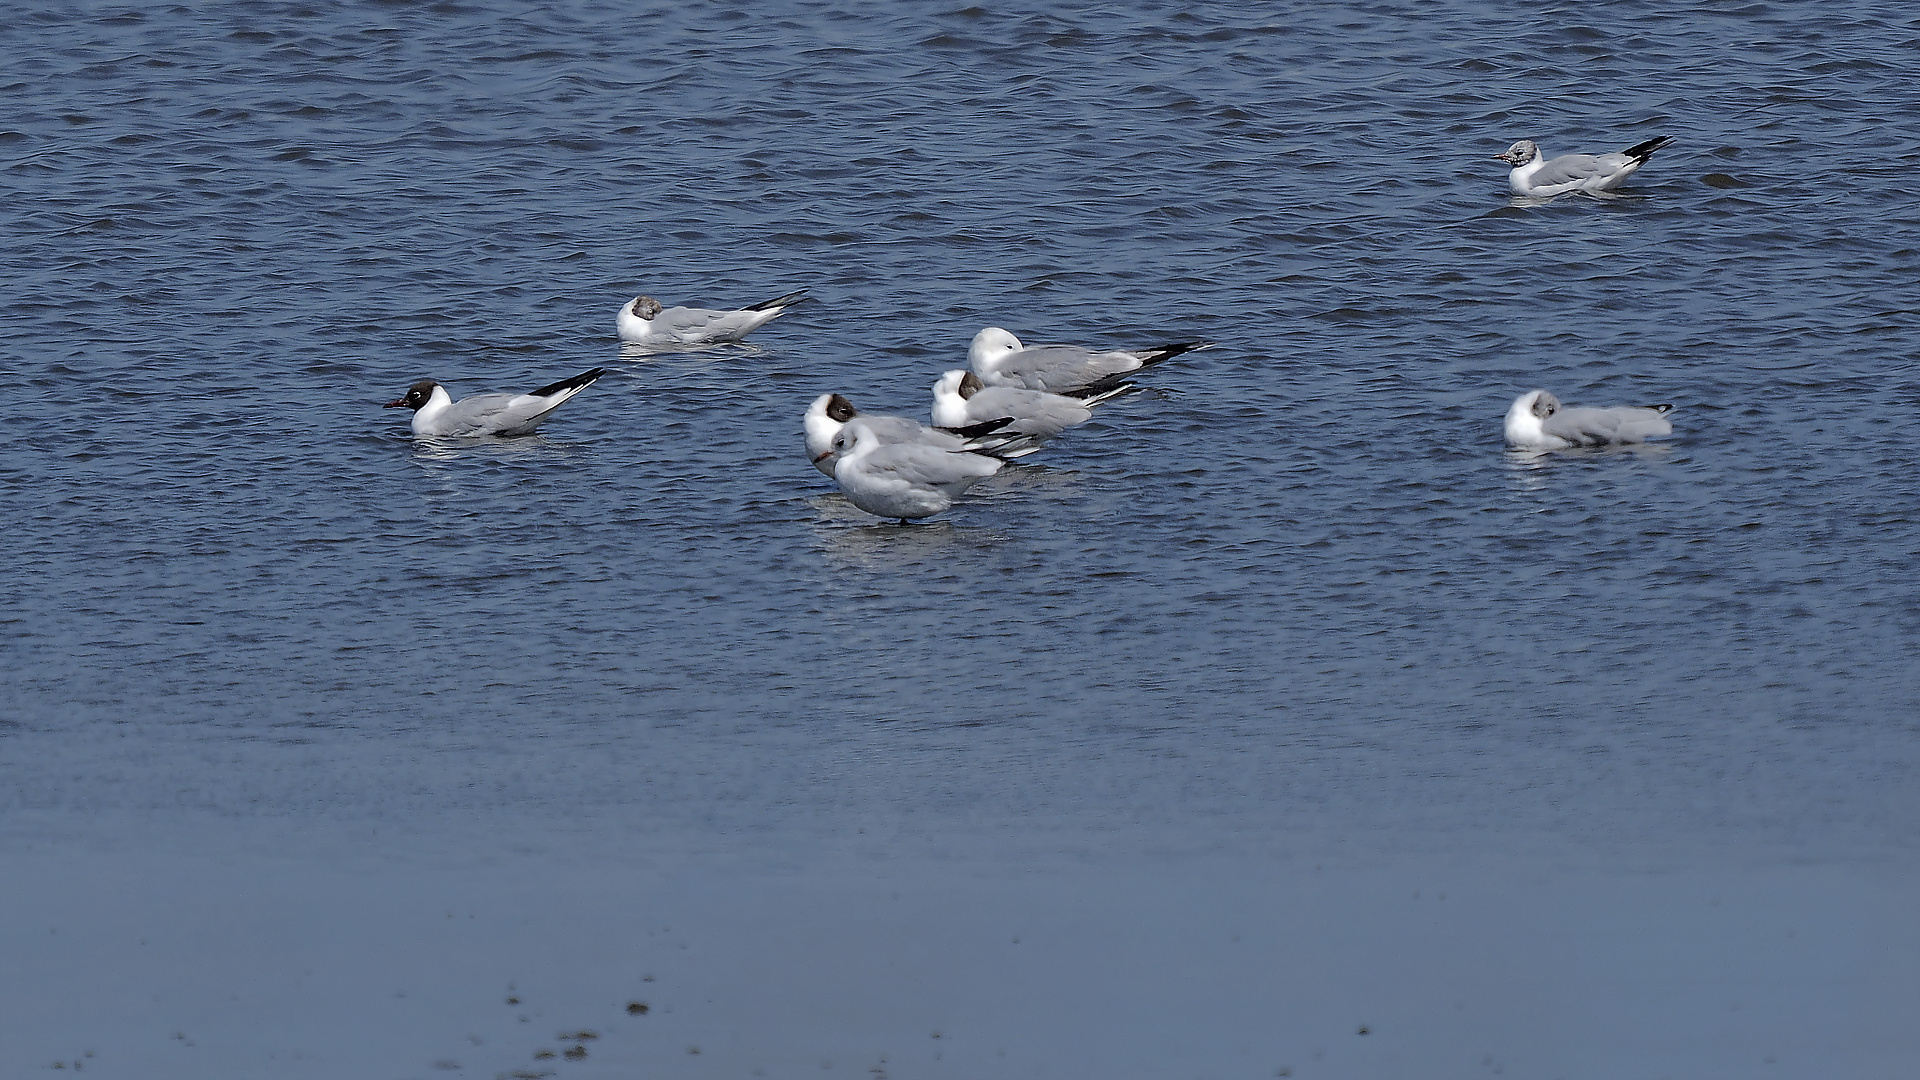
[1299, 600]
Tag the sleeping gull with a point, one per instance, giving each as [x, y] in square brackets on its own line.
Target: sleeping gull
[435, 413]
[831, 412]
[1538, 176]
[1000, 360]
[642, 321]
[1538, 421]
[903, 480]
[960, 398]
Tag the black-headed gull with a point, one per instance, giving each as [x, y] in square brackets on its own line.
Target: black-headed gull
[643, 321]
[960, 398]
[903, 480]
[829, 413]
[1537, 421]
[435, 412]
[1536, 175]
[1000, 360]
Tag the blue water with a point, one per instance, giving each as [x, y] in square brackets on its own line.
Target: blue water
[1297, 598]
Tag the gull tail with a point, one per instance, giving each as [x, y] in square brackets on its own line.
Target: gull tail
[1150, 357]
[779, 301]
[987, 438]
[1642, 151]
[570, 387]
[974, 431]
[1101, 392]
[1007, 449]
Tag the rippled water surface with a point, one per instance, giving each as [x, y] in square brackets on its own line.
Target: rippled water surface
[1295, 599]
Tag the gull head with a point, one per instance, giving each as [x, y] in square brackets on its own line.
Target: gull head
[989, 347]
[644, 307]
[1527, 417]
[950, 396]
[851, 438]
[825, 417]
[958, 384]
[417, 395]
[1520, 153]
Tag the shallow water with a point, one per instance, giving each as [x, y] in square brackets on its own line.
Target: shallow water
[1296, 604]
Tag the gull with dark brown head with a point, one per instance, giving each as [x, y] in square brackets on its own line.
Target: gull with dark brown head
[829, 413]
[645, 321]
[435, 413]
[960, 398]
[1537, 176]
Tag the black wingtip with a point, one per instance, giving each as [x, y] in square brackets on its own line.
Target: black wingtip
[1662, 409]
[781, 301]
[1106, 389]
[1645, 150]
[1150, 357]
[974, 431]
[578, 382]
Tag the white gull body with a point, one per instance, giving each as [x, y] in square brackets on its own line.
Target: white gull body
[643, 321]
[1000, 359]
[903, 480]
[435, 413]
[1537, 421]
[960, 398]
[1537, 176]
[829, 413]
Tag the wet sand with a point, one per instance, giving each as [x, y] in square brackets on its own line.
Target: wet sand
[147, 965]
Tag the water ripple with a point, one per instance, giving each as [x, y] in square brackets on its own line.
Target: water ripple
[1309, 565]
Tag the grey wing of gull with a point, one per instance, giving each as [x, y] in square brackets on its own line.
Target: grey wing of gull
[1594, 427]
[706, 321]
[929, 466]
[901, 429]
[496, 413]
[1571, 168]
[1034, 412]
[1063, 367]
